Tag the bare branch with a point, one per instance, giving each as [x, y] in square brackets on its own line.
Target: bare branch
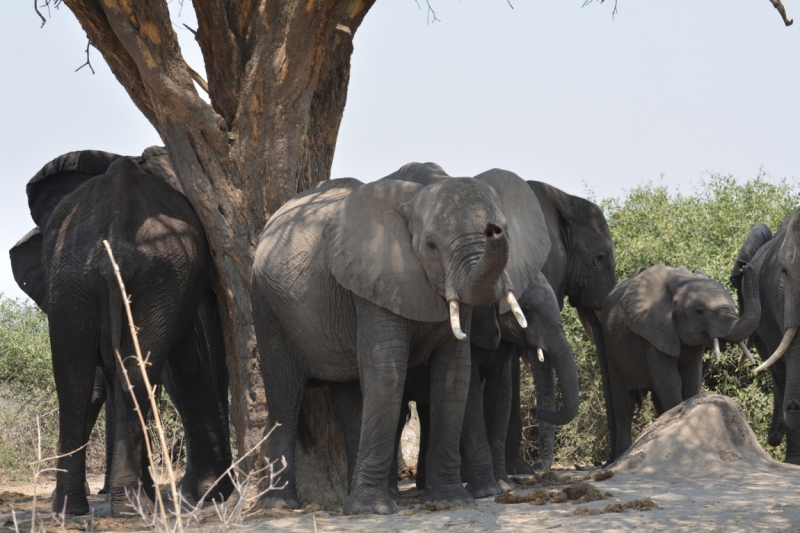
[88, 63]
[779, 6]
[197, 78]
[194, 32]
[36, 7]
[429, 13]
[512, 7]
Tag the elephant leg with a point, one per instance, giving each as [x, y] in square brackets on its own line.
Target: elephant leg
[207, 444]
[667, 382]
[515, 464]
[383, 348]
[450, 382]
[74, 338]
[424, 414]
[624, 403]
[99, 394]
[545, 398]
[497, 409]
[348, 404]
[284, 385]
[792, 447]
[691, 371]
[777, 427]
[481, 481]
[656, 403]
[111, 417]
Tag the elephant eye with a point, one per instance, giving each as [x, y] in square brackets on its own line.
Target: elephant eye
[431, 245]
[698, 311]
[598, 260]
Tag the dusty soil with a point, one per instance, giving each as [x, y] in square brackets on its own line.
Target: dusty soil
[699, 468]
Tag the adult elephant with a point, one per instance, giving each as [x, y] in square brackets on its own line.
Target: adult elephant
[579, 267]
[777, 266]
[77, 201]
[495, 341]
[361, 282]
[656, 326]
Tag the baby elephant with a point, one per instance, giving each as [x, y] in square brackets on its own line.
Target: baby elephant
[656, 325]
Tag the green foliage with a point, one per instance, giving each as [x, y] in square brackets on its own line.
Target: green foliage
[702, 230]
[24, 347]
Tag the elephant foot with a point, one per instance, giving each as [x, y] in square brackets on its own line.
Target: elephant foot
[373, 501]
[420, 482]
[454, 494]
[516, 466]
[285, 498]
[774, 437]
[195, 488]
[542, 465]
[135, 502]
[483, 486]
[792, 459]
[76, 504]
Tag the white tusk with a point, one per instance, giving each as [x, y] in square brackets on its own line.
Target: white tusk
[784, 345]
[455, 321]
[745, 352]
[512, 303]
[540, 354]
[716, 349]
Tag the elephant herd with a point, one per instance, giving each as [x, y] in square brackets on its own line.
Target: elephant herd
[416, 287]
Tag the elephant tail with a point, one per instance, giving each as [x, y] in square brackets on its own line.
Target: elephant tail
[115, 313]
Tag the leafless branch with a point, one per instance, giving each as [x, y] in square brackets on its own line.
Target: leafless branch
[194, 32]
[430, 13]
[779, 6]
[613, 11]
[88, 63]
[197, 78]
[36, 7]
[509, 4]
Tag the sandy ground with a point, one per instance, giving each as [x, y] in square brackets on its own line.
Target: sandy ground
[700, 463]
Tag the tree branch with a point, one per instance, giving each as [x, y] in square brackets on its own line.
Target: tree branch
[88, 63]
[777, 4]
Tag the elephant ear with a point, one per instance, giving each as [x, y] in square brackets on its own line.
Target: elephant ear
[647, 306]
[60, 177]
[28, 269]
[422, 173]
[155, 160]
[528, 240]
[484, 329]
[370, 252]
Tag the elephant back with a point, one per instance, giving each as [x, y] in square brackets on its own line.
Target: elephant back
[62, 176]
[422, 173]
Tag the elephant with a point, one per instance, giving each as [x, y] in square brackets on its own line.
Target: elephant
[78, 200]
[580, 267]
[656, 326]
[495, 341]
[353, 284]
[777, 268]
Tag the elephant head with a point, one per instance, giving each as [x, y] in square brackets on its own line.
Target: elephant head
[590, 274]
[670, 306]
[420, 250]
[50, 186]
[543, 337]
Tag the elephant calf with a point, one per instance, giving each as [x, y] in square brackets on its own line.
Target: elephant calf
[656, 325]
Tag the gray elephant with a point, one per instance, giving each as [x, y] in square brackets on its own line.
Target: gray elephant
[78, 200]
[580, 268]
[361, 282]
[777, 267]
[495, 341]
[656, 326]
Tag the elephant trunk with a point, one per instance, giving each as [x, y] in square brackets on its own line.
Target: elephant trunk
[480, 286]
[746, 324]
[563, 361]
[791, 399]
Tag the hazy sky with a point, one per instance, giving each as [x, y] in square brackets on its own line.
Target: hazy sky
[549, 89]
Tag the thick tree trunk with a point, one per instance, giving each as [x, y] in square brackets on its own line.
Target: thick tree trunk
[277, 78]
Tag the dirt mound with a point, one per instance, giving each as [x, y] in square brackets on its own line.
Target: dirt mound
[705, 435]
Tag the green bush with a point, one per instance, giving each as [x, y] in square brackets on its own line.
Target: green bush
[702, 230]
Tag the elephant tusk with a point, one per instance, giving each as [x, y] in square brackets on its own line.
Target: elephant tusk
[716, 350]
[455, 321]
[540, 354]
[527, 364]
[784, 345]
[745, 353]
[518, 314]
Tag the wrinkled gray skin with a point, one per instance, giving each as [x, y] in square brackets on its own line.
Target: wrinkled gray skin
[656, 325]
[778, 272]
[80, 199]
[493, 350]
[352, 282]
[580, 267]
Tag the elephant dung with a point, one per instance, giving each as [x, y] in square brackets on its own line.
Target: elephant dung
[705, 435]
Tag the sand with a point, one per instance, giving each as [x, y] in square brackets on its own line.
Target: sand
[700, 463]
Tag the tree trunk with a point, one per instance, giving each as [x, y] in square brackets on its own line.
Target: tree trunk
[277, 79]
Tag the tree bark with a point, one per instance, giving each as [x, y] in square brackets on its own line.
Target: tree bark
[277, 75]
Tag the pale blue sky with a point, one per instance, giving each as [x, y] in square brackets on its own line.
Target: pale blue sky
[551, 90]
